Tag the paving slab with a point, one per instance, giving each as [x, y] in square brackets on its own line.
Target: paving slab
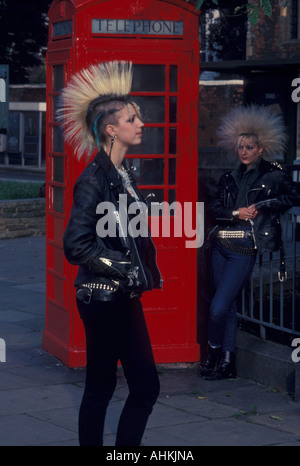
[40, 397]
[26, 430]
[220, 432]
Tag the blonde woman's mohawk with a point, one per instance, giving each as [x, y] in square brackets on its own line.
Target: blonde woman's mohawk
[260, 121]
[109, 81]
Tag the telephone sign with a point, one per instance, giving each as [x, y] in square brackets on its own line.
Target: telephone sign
[132, 26]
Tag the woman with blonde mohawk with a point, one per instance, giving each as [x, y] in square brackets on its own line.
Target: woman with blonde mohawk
[246, 216]
[114, 268]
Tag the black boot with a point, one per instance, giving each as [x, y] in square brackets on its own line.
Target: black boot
[226, 368]
[210, 362]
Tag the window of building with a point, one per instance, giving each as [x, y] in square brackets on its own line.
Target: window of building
[290, 21]
[25, 138]
[294, 19]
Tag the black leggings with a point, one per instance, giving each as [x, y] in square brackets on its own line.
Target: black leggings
[116, 331]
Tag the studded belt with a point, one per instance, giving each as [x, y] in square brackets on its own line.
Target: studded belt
[234, 234]
[100, 286]
[103, 292]
[98, 291]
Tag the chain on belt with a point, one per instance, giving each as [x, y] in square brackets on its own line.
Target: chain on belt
[237, 248]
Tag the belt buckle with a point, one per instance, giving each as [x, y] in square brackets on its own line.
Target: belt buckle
[86, 293]
[89, 296]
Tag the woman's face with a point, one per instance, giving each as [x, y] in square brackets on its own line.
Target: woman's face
[248, 151]
[129, 129]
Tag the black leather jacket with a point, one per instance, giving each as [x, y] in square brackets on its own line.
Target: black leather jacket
[112, 264]
[274, 188]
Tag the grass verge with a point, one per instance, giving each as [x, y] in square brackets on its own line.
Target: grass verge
[19, 190]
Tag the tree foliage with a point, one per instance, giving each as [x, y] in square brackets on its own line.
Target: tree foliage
[23, 33]
[225, 35]
[24, 29]
[252, 8]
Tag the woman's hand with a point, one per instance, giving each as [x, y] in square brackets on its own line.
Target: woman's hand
[247, 213]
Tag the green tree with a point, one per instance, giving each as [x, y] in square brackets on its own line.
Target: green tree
[24, 30]
[252, 8]
[225, 34]
[23, 34]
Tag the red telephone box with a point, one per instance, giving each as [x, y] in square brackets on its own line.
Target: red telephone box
[160, 37]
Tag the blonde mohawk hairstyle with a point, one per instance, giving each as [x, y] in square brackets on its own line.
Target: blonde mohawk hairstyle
[88, 88]
[256, 121]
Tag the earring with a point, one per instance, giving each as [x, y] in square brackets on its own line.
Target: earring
[112, 140]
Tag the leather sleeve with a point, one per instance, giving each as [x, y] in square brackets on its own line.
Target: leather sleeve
[283, 194]
[82, 245]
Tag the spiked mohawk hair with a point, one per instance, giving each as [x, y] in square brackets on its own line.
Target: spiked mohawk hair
[258, 121]
[92, 88]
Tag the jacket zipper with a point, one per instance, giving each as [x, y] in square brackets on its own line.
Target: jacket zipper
[250, 220]
[125, 240]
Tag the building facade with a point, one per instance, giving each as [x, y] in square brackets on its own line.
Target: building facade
[269, 71]
[268, 74]
[26, 127]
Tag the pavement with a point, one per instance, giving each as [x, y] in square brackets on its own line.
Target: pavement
[40, 397]
[13, 173]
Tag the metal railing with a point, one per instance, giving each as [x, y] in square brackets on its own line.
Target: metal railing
[267, 301]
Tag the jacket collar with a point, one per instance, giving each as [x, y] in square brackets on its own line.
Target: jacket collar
[263, 166]
[103, 160]
[234, 176]
[266, 166]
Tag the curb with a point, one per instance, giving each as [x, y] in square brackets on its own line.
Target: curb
[267, 363]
